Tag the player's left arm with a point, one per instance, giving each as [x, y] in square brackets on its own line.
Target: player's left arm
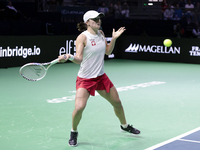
[115, 35]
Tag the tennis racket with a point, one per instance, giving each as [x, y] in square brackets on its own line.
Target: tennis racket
[36, 71]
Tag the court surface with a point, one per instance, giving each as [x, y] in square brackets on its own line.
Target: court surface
[161, 99]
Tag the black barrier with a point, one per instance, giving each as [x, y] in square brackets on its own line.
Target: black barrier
[18, 50]
[183, 50]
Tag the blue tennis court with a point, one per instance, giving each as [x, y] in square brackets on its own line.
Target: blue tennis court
[186, 141]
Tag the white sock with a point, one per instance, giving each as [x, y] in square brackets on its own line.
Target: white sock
[124, 125]
[74, 130]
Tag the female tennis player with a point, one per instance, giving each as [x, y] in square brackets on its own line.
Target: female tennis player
[91, 48]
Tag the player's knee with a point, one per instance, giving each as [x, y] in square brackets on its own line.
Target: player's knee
[117, 104]
[79, 108]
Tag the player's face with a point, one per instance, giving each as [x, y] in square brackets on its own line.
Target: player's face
[95, 23]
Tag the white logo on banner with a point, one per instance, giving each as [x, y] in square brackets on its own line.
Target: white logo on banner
[64, 12]
[19, 51]
[195, 51]
[70, 45]
[136, 48]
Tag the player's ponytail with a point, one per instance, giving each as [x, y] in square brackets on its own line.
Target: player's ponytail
[82, 26]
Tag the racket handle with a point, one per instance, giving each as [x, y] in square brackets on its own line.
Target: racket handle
[54, 61]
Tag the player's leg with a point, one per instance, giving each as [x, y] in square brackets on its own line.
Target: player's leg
[82, 96]
[113, 98]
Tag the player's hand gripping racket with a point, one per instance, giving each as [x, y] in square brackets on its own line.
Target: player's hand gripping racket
[36, 71]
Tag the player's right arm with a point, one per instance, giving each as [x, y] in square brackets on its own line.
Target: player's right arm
[81, 41]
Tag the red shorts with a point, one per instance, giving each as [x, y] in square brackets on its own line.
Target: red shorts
[99, 83]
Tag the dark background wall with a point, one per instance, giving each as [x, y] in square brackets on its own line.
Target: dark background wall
[51, 30]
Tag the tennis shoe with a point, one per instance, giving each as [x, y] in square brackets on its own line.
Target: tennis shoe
[130, 129]
[73, 139]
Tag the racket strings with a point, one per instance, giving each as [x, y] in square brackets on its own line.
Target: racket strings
[36, 71]
[33, 72]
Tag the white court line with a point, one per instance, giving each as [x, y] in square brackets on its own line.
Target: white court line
[173, 139]
[119, 89]
[189, 140]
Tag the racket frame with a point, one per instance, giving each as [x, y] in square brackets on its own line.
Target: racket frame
[41, 65]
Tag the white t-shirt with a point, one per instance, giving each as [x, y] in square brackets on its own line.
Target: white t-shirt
[92, 64]
[189, 6]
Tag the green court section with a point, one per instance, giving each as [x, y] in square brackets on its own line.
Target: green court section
[161, 99]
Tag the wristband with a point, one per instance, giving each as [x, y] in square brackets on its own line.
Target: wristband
[71, 58]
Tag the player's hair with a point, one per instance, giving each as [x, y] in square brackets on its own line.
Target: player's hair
[82, 26]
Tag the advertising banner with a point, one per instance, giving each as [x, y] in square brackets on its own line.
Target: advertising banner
[152, 49]
[72, 12]
[19, 50]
